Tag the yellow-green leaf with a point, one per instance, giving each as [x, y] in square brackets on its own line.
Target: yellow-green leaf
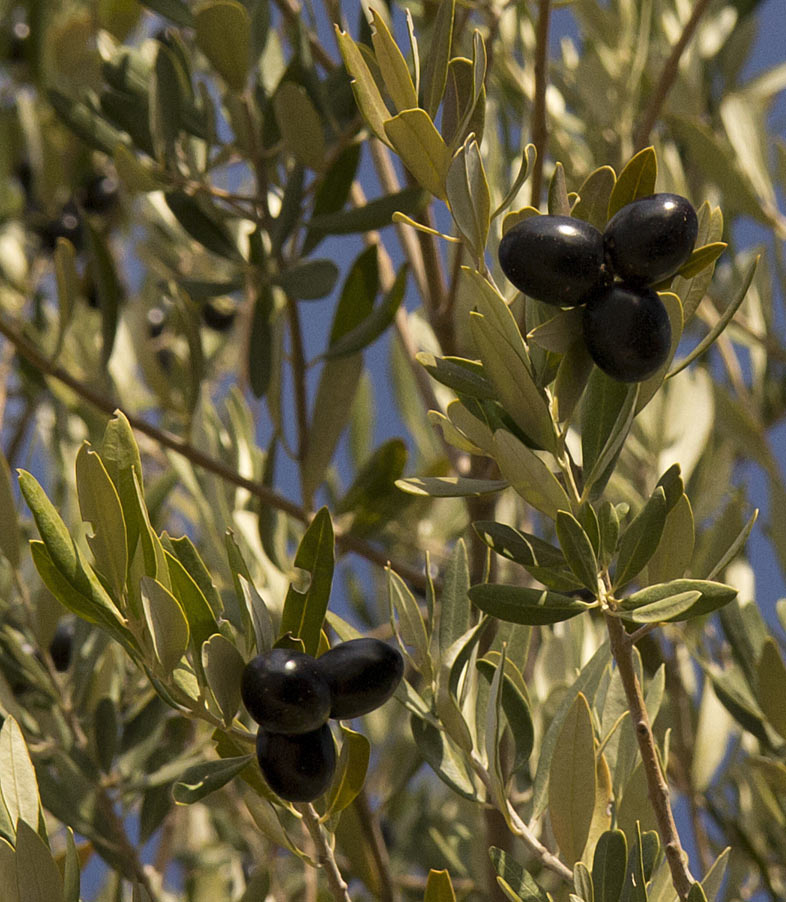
[636, 180]
[421, 148]
[572, 781]
[18, 785]
[528, 475]
[439, 887]
[771, 674]
[9, 523]
[392, 65]
[300, 124]
[350, 771]
[37, 876]
[166, 621]
[222, 34]
[367, 94]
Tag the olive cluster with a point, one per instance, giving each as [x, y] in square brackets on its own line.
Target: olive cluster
[566, 261]
[292, 695]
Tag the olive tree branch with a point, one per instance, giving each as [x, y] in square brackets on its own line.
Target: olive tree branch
[622, 650]
[325, 856]
[539, 125]
[547, 858]
[266, 495]
[668, 75]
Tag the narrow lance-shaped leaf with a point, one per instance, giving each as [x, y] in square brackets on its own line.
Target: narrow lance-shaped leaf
[771, 679]
[206, 777]
[18, 785]
[439, 887]
[38, 878]
[9, 524]
[350, 772]
[578, 550]
[408, 621]
[518, 604]
[515, 882]
[636, 180]
[222, 33]
[608, 866]
[641, 538]
[367, 95]
[528, 475]
[468, 195]
[223, 666]
[436, 71]
[392, 65]
[421, 148]
[166, 621]
[304, 612]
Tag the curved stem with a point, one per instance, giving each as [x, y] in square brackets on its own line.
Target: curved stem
[540, 132]
[622, 650]
[180, 446]
[668, 75]
[325, 856]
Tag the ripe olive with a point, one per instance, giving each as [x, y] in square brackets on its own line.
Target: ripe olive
[297, 768]
[627, 331]
[362, 674]
[285, 692]
[649, 239]
[556, 259]
[61, 645]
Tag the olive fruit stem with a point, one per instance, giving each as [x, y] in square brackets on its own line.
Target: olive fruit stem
[547, 858]
[325, 857]
[622, 650]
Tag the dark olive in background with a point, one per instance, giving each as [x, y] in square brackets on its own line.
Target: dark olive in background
[219, 314]
[362, 674]
[68, 224]
[556, 259]
[297, 768]
[101, 193]
[627, 332]
[649, 239]
[60, 647]
[285, 692]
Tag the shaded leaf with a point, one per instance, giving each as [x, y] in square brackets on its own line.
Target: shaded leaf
[528, 475]
[517, 883]
[222, 34]
[578, 550]
[223, 665]
[351, 771]
[376, 214]
[771, 685]
[637, 179]
[435, 73]
[300, 124]
[203, 224]
[166, 621]
[37, 876]
[640, 539]
[450, 486]
[594, 194]
[206, 777]
[309, 279]
[518, 604]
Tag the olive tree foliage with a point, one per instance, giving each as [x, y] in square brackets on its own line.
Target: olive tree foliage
[561, 557]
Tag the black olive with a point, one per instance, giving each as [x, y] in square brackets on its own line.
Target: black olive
[219, 316]
[67, 225]
[100, 194]
[362, 674]
[61, 646]
[649, 239]
[285, 692]
[627, 331]
[556, 259]
[297, 768]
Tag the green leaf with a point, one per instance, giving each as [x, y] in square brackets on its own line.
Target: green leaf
[304, 612]
[450, 486]
[670, 608]
[465, 377]
[174, 10]
[67, 286]
[515, 706]
[723, 321]
[99, 504]
[351, 771]
[515, 882]
[468, 195]
[701, 258]
[223, 665]
[734, 548]
[198, 613]
[696, 894]
[573, 372]
[333, 192]
[309, 280]
[258, 613]
[578, 550]
[649, 387]
[636, 180]
[108, 287]
[713, 880]
[168, 90]
[18, 785]
[607, 415]
[421, 148]
[587, 683]
[609, 527]
[594, 194]
[527, 161]
[517, 604]
[771, 686]
[572, 781]
[376, 214]
[392, 65]
[260, 346]
[435, 74]
[300, 124]
[712, 596]
[559, 333]
[439, 887]
[367, 94]
[85, 122]
[195, 567]
[558, 203]
[71, 882]
[10, 535]
[674, 553]
[455, 612]
[166, 621]
[203, 224]
[222, 34]
[640, 539]
[373, 498]
[441, 754]
[691, 291]
[464, 107]
[408, 621]
[368, 331]
[37, 876]
[206, 777]
[608, 866]
[528, 475]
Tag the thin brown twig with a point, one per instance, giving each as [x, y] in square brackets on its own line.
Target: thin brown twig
[325, 856]
[622, 650]
[668, 75]
[539, 128]
[268, 496]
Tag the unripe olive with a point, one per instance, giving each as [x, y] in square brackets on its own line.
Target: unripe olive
[285, 692]
[362, 674]
[649, 239]
[298, 768]
[556, 259]
[627, 331]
